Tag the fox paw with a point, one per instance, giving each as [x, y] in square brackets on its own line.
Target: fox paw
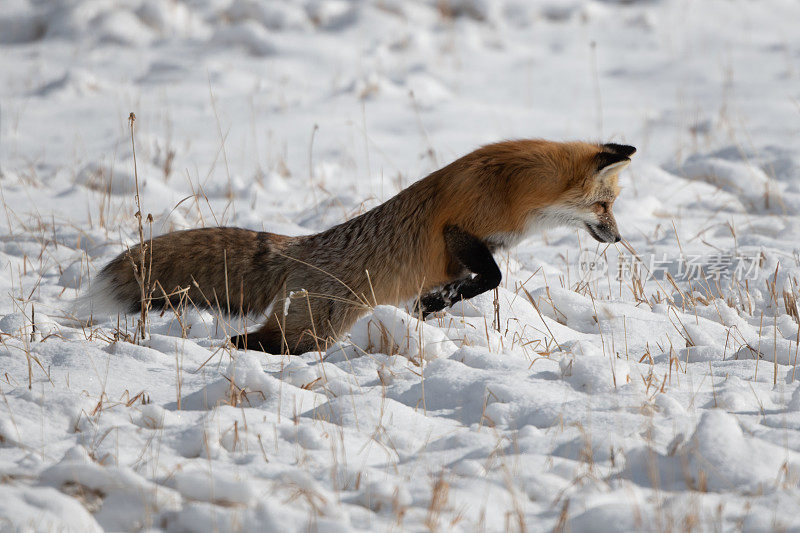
[430, 303]
[238, 342]
[241, 342]
[257, 342]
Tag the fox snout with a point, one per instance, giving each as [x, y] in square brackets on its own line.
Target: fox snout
[605, 229]
[604, 233]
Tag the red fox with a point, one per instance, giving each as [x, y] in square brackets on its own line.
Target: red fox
[434, 240]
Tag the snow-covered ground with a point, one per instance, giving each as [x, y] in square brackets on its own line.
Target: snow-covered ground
[615, 393]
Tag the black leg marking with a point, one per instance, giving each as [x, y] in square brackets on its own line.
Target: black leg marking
[475, 256]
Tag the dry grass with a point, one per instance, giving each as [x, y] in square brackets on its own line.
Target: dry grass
[141, 270]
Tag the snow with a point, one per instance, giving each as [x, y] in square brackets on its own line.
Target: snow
[44, 509]
[663, 398]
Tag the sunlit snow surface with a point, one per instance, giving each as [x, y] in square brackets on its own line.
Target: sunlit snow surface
[596, 403]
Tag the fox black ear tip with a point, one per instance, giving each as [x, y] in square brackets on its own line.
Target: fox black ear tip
[620, 149]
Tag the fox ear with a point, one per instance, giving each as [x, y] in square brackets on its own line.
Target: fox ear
[622, 149]
[609, 163]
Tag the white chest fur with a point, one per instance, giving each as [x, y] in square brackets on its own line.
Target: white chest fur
[539, 220]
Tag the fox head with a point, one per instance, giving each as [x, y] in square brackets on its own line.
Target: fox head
[591, 188]
[504, 191]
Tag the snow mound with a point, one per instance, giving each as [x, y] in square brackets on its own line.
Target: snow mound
[72, 276]
[217, 487]
[248, 34]
[18, 324]
[271, 15]
[43, 509]
[721, 455]
[390, 330]
[123, 494]
[385, 496]
[748, 182]
[595, 373]
[331, 14]
[74, 82]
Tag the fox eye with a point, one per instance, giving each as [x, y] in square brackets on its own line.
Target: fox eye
[603, 206]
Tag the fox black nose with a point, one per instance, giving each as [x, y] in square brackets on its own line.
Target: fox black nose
[617, 238]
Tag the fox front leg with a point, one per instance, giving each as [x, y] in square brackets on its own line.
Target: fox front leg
[472, 254]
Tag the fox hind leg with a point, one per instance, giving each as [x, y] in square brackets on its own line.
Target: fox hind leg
[265, 339]
[305, 327]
